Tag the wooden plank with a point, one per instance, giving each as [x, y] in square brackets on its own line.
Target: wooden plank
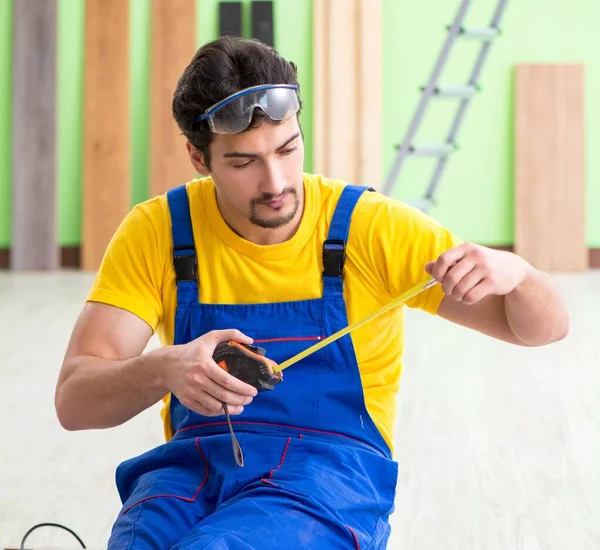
[370, 93]
[4, 258]
[320, 85]
[173, 46]
[347, 90]
[106, 126]
[342, 90]
[549, 166]
[34, 231]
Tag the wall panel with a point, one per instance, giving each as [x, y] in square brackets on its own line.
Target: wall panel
[106, 126]
[173, 46]
[34, 232]
[550, 166]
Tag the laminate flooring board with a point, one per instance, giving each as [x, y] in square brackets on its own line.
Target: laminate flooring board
[369, 93]
[34, 227]
[550, 166]
[347, 73]
[106, 126]
[320, 87]
[342, 74]
[173, 46]
[498, 446]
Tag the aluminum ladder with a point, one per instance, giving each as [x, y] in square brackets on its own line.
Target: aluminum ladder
[433, 90]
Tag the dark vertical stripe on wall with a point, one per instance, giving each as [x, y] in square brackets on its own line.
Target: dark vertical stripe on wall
[230, 18]
[34, 136]
[262, 22]
[106, 126]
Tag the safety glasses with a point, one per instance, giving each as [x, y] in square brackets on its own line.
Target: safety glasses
[234, 113]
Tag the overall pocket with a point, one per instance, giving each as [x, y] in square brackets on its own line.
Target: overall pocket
[175, 470]
[356, 485]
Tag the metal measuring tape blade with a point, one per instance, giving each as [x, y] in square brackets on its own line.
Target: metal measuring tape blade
[411, 293]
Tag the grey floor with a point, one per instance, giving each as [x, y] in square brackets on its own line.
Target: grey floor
[499, 447]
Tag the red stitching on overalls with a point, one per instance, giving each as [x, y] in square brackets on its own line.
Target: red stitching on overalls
[355, 537]
[186, 499]
[285, 450]
[242, 423]
[268, 482]
[289, 339]
[282, 457]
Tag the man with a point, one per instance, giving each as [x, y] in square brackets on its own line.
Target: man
[260, 252]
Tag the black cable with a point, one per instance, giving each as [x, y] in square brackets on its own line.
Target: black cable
[22, 547]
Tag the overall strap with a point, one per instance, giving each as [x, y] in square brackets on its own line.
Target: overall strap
[185, 261]
[334, 247]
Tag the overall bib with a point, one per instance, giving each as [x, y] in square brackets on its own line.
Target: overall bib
[317, 472]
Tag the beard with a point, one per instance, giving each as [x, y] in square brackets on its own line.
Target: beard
[277, 222]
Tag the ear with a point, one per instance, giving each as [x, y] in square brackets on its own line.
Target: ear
[197, 160]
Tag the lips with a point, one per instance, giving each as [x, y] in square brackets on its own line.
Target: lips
[276, 203]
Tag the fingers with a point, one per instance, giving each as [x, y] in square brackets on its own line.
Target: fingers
[466, 273]
[461, 278]
[207, 405]
[477, 292]
[228, 382]
[446, 260]
[223, 394]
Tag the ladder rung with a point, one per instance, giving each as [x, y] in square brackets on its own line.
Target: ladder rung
[434, 150]
[479, 33]
[454, 91]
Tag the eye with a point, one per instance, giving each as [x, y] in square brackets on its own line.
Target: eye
[288, 151]
[238, 166]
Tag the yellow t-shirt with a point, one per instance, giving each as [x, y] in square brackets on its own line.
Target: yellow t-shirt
[389, 244]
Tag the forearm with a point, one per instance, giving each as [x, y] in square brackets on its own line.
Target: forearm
[98, 393]
[535, 311]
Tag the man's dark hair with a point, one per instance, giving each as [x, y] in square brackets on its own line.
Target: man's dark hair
[218, 69]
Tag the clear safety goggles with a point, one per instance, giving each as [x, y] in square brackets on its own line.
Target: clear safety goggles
[234, 113]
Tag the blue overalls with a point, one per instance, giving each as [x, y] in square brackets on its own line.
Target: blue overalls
[317, 473]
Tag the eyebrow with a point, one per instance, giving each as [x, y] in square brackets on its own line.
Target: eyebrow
[238, 154]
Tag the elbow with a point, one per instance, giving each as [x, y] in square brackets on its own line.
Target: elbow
[65, 413]
[558, 332]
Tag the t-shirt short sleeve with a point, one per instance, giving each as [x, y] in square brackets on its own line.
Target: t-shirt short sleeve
[131, 273]
[402, 240]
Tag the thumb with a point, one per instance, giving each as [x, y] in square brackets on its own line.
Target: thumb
[429, 267]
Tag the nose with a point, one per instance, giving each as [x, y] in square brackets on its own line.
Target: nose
[273, 180]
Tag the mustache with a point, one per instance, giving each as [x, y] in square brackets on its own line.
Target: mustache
[267, 197]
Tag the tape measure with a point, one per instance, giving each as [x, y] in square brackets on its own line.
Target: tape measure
[394, 303]
[249, 364]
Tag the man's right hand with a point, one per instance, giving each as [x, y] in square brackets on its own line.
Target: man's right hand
[106, 379]
[199, 383]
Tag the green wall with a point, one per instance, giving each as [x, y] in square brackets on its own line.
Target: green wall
[476, 194]
[70, 54]
[6, 13]
[481, 171]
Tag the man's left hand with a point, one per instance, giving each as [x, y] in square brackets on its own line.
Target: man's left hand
[470, 272]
